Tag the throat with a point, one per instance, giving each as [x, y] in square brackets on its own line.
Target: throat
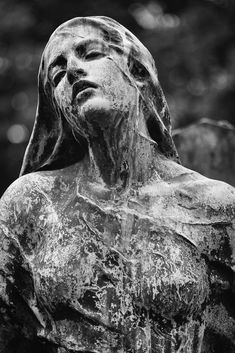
[120, 161]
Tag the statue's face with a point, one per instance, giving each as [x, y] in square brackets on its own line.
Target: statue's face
[88, 78]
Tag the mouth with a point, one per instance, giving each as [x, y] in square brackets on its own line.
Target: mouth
[81, 86]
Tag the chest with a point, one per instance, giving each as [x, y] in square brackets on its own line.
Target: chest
[112, 260]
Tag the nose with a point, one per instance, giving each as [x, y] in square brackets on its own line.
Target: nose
[75, 70]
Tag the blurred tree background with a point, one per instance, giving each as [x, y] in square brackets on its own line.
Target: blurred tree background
[192, 41]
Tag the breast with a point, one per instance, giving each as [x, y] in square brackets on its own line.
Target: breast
[112, 266]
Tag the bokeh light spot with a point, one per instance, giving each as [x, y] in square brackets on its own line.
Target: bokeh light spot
[17, 133]
[151, 16]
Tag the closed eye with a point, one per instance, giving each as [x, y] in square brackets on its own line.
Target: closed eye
[94, 55]
[57, 77]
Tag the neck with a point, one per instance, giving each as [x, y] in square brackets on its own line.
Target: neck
[122, 156]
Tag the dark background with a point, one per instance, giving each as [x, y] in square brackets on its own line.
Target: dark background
[192, 41]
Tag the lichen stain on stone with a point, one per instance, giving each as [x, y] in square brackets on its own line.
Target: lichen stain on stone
[107, 268]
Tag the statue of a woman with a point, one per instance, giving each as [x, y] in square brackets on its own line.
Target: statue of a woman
[108, 244]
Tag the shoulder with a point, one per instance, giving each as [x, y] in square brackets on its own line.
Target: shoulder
[213, 204]
[203, 209]
[211, 193]
[179, 181]
[25, 194]
[187, 186]
[36, 193]
[214, 199]
[26, 186]
[25, 208]
[207, 192]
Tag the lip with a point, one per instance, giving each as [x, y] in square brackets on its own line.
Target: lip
[80, 86]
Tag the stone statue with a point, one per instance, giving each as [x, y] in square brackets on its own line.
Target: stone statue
[108, 244]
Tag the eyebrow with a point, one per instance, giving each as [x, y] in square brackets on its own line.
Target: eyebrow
[60, 60]
[85, 42]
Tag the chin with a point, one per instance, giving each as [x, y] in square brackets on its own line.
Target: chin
[98, 110]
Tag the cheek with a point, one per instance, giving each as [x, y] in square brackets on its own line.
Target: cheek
[115, 80]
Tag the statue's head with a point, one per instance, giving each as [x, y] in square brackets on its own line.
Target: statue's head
[94, 72]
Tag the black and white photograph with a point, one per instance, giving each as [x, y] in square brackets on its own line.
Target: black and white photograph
[117, 176]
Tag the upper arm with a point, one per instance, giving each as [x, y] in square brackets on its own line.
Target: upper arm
[16, 280]
[219, 252]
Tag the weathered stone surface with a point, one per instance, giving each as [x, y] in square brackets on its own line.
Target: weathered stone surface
[209, 148]
[108, 244]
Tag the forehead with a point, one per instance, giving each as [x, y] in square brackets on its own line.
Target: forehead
[64, 39]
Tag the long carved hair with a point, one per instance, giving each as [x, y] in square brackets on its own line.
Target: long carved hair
[53, 143]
